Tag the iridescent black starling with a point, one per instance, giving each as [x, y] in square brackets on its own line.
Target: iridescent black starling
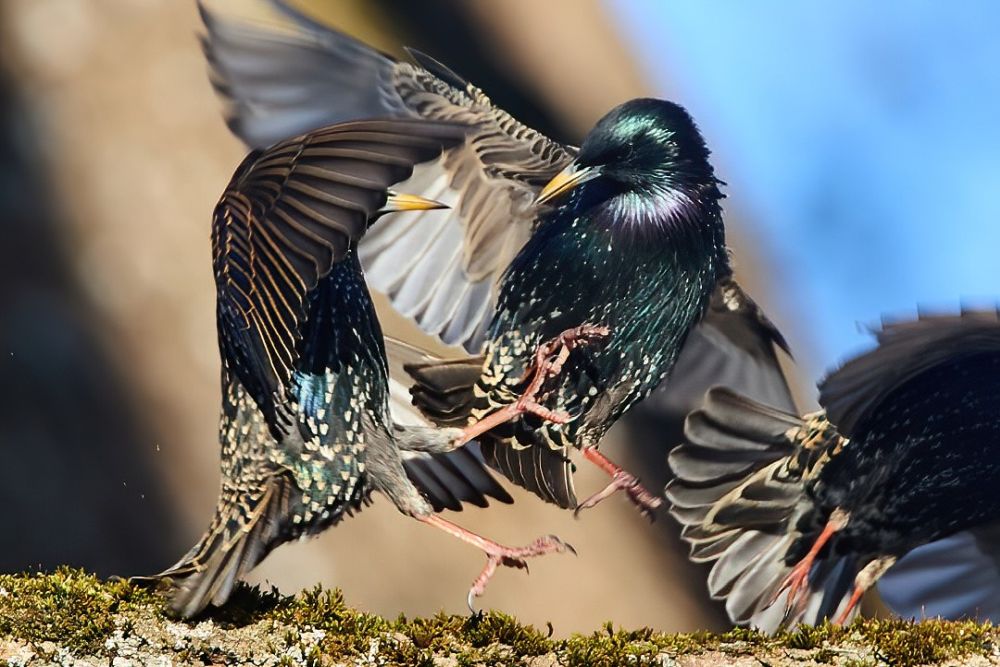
[603, 258]
[801, 515]
[306, 431]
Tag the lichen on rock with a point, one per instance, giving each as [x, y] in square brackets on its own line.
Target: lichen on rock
[69, 617]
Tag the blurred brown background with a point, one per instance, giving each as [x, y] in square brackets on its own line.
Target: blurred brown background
[112, 154]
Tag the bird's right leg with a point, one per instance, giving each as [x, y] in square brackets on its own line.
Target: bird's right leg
[550, 357]
[496, 553]
[621, 480]
[864, 580]
[797, 581]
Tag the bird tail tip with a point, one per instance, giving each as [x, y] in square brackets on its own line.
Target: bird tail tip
[237, 540]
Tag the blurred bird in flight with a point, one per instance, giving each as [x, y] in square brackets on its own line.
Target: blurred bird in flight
[801, 515]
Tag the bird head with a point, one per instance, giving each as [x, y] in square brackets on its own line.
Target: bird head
[647, 159]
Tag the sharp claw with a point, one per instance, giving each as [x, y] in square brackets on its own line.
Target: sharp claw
[470, 601]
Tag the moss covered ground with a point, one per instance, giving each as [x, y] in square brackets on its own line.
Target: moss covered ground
[70, 617]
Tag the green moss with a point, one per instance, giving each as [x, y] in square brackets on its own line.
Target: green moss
[77, 611]
[902, 643]
[68, 607]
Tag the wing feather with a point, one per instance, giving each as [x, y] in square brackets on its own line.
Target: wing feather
[287, 216]
[283, 80]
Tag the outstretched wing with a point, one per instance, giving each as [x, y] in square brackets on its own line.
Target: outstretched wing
[739, 493]
[291, 212]
[958, 576]
[441, 271]
[905, 349]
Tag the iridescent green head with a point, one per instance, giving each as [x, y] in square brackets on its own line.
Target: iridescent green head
[647, 163]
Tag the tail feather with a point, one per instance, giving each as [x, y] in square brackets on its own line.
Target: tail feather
[739, 492]
[444, 393]
[246, 528]
[443, 390]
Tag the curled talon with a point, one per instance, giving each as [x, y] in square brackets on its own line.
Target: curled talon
[513, 557]
[621, 480]
[550, 357]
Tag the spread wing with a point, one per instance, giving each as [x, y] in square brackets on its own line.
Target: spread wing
[905, 349]
[291, 212]
[441, 270]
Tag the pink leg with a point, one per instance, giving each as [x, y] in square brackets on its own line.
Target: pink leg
[549, 359]
[621, 480]
[497, 554]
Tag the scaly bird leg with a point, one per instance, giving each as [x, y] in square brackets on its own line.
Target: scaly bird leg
[497, 554]
[549, 360]
[864, 580]
[621, 480]
[797, 581]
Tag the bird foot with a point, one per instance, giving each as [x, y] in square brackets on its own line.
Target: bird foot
[864, 580]
[496, 553]
[625, 481]
[797, 581]
[621, 480]
[797, 585]
[515, 557]
[552, 354]
[550, 357]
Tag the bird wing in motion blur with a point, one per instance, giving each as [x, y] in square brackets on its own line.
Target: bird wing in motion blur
[742, 479]
[442, 271]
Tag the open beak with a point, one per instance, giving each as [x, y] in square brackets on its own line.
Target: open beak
[566, 180]
[397, 201]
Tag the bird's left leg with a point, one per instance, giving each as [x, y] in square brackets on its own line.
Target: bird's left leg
[797, 581]
[549, 359]
[496, 553]
[864, 580]
[621, 480]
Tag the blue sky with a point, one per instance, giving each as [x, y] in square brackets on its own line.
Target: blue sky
[860, 141]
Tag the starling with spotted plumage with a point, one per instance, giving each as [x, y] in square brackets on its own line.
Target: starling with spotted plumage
[626, 258]
[572, 276]
[306, 431]
[801, 515]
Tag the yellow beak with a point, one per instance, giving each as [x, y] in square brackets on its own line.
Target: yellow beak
[566, 180]
[397, 201]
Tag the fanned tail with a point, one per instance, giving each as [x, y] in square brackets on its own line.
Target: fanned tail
[246, 527]
[443, 390]
[739, 492]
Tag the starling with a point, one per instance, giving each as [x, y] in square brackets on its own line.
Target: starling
[801, 515]
[306, 432]
[572, 277]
